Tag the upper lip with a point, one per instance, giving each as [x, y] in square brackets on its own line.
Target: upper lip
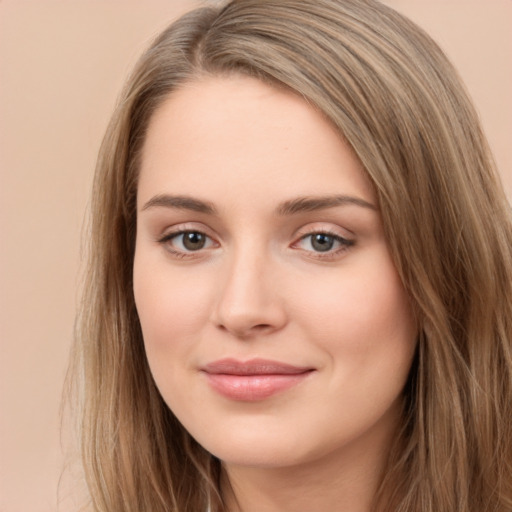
[253, 367]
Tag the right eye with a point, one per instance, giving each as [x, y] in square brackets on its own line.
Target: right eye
[183, 242]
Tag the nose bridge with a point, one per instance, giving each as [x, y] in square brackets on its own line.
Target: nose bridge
[248, 301]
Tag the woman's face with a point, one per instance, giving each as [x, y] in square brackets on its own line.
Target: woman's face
[275, 324]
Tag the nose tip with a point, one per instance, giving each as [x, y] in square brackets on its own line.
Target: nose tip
[244, 328]
[249, 303]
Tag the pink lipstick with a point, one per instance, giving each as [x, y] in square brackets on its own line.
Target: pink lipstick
[253, 380]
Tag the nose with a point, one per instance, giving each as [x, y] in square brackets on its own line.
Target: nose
[250, 301]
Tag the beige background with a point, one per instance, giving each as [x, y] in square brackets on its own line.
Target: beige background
[61, 66]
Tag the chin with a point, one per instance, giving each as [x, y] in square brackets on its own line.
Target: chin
[266, 447]
[267, 441]
[253, 446]
[264, 455]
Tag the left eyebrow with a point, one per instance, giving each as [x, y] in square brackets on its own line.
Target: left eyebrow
[309, 204]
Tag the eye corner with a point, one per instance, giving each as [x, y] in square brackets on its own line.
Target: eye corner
[185, 242]
[328, 244]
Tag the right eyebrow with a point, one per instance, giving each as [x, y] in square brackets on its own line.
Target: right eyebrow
[180, 203]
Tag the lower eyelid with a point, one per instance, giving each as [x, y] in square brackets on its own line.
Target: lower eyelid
[336, 236]
[344, 245]
[167, 239]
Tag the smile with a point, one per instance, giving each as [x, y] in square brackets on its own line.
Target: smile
[253, 380]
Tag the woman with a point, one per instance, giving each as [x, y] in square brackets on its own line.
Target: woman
[299, 293]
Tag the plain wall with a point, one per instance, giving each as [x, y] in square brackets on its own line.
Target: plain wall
[62, 64]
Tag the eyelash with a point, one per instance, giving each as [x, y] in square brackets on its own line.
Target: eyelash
[344, 243]
[166, 239]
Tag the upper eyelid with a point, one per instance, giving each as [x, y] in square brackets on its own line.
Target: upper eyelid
[303, 231]
[174, 234]
[171, 236]
[185, 227]
[317, 227]
[330, 255]
[165, 241]
[342, 239]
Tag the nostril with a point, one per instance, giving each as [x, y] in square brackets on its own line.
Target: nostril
[261, 327]
[246, 331]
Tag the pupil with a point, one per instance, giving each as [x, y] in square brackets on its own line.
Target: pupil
[322, 243]
[193, 241]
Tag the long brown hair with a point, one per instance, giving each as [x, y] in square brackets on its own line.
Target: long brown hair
[394, 97]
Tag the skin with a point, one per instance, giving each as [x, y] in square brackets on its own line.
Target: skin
[259, 287]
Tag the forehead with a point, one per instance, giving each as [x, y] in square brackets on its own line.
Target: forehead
[222, 134]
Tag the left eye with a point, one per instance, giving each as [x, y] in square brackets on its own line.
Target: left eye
[189, 241]
[322, 242]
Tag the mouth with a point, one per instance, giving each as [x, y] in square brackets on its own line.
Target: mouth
[253, 380]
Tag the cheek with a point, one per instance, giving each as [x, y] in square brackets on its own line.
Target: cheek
[170, 304]
[362, 317]
[173, 307]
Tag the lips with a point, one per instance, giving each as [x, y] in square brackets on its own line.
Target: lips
[253, 380]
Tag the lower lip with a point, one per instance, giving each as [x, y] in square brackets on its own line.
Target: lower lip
[251, 388]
